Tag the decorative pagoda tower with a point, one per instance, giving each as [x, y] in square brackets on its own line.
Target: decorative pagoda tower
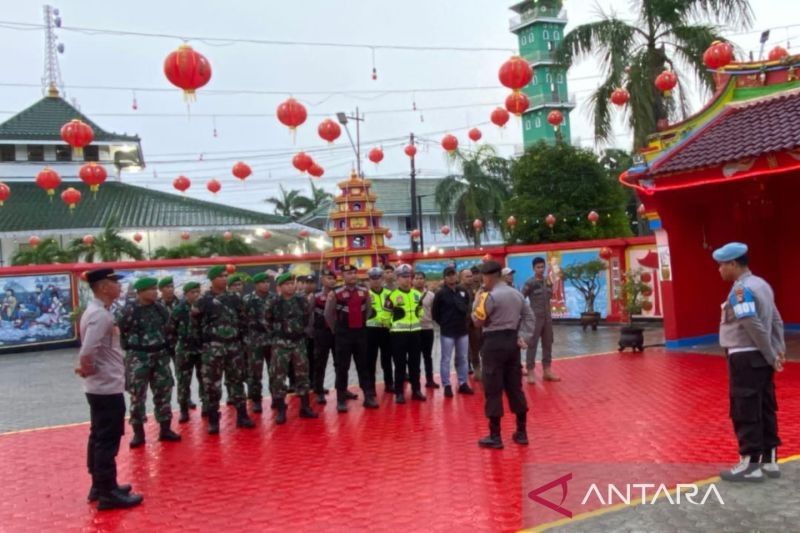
[355, 227]
[539, 26]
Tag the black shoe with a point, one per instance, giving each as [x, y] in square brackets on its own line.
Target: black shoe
[184, 415]
[192, 405]
[242, 420]
[321, 399]
[118, 500]
[430, 384]
[370, 402]
[448, 391]
[281, 407]
[388, 388]
[350, 395]
[213, 422]
[94, 494]
[257, 408]
[341, 406]
[204, 413]
[418, 396]
[492, 441]
[520, 437]
[166, 434]
[305, 408]
[138, 436]
[274, 404]
[399, 398]
[465, 389]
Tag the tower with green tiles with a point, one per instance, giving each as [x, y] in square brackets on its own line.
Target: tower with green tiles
[539, 26]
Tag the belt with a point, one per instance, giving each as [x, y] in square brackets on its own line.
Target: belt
[499, 332]
[732, 351]
[147, 349]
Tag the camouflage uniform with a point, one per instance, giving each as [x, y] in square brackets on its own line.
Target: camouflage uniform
[143, 337]
[221, 319]
[258, 345]
[188, 351]
[287, 319]
[171, 339]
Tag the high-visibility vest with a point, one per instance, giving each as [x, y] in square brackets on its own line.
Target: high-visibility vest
[406, 309]
[379, 317]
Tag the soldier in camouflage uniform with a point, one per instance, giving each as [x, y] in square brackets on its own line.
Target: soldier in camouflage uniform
[222, 322]
[258, 348]
[142, 326]
[287, 315]
[188, 349]
[236, 286]
[167, 298]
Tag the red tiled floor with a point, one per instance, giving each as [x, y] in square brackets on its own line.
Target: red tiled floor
[411, 468]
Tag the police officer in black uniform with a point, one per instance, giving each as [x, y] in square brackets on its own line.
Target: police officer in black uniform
[324, 340]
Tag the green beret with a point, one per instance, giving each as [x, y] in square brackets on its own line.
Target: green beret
[235, 278]
[216, 271]
[190, 286]
[164, 282]
[283, 278]
[261, 276]
[142, 284]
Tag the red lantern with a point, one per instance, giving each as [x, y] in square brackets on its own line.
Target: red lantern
[593, 217]
[647, 306]
[266, 235]
[185, 236]
[605, 253]
[316, 170]
[415, 234]
[302, 161]
[34, 241]
[778, 53]
[555, 118]
[93, 175]
[515, 73]
[647, 292]
[517, 103]
[227, 235]
[49, 180]
[477, 224]
[303, 233]
[410, 150]
[241, 170]
[645, 277]
[137, 237]
[641, 210]
[388, 234]
[5, 192]
[718, 55]
[445, 230]
[550, 220]
[620, 97]
[71, 197]
[500, 117]
[187, 70]
[77, 134]
[213, 186]
[182, 183]
[292, 113]
[511, 221]
[475, 135]
[329, 130]
[230, 269]
[666, 81]
[375, 155]
[88, 240]
[487, 257]
[450, 143]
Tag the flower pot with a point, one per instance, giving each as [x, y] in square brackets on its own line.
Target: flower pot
[590, 319]
[631, 337]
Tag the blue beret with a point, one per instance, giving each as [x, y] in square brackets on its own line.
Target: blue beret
[729, 252]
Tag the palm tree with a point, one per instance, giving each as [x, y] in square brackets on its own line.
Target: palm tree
[108, 246]
[291, 204]
[47, 252]
[318, 196]
[184, 250]
[666, 33]
[216, 245]
[477, 193]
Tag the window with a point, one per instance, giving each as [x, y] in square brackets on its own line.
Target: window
[549, 78]
[91, 153]
[534, 81]
[35, 152]
[560, 78]
[63, 152]
[8, 152]
[408, 225]
[556, 35]
[523, 41]
[546, 35]
[531, 37]
[527, 124]
[538, 122]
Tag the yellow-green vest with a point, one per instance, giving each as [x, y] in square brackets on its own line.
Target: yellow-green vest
[379, 316]
[411, 303]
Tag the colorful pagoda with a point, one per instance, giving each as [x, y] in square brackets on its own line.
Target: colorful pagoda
[355, 227]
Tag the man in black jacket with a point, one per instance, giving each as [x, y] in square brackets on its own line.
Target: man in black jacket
[450, 310]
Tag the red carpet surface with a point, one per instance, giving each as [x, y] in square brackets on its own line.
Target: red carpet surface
[413, 467]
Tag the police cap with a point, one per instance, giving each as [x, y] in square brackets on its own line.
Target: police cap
[349, 268]
[99, 274]
[375, 273]
[729, 252]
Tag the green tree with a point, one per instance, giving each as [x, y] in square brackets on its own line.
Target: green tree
[216, 245]
[617, 161]
[47, 252]
[586, 278]
[633, 53]
[184, 250]
[291, 204]
[319, 196]
[108, 246]
[477, 193]
[569, 183]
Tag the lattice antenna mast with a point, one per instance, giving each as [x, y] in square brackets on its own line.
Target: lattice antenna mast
[52, 83]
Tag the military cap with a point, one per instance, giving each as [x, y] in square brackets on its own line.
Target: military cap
[142, 284]
[729, 252]
[491, 267]
[190, 286]
[216, 271]
[327, 272]
[235, 278]
[163, 282]
[261, 276]
[404, 270]
[283, 278]
[449, 271]
[375, 273]
[99, 274]
[349, 268]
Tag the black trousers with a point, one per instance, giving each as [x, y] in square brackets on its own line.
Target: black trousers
[426, 347]
[324, 343]
[753, 407]
[352, 344]
[378, 339]
[107, 415]
[312, 357]
[405, 351]
[501, 372]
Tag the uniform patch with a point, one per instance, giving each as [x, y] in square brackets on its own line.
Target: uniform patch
[743, 302]
[346, 294]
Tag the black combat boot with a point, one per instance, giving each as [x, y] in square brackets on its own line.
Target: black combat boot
[213, 422]
[321, 398]
[184, 414]
[341, 403]
[520, 436]
[94, 494]
[273, 404]
[493, 440]
[167, 434]
[138, 436]
[350, 395]
[280, 405]
[305, 408]
[204, 412]
[257, 406]
[399, 398]
[370, 402]
[242, 420]
[116, 499]
[418, 396]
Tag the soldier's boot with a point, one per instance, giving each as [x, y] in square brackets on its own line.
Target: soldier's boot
[417, 395]
[548, 375]
[305, 408]
[280, 405]
[274, 404]
[341, 402]
[242, 420]
[520, 436]
[531, 377]
[370, 402]
[257, 406]
[213, 422]
[138, 436]
[493, 440]
[321, 398]
[184, 414]
[350, 395]
[167, 434]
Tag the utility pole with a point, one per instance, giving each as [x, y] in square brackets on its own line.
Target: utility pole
[343, 120]
[421, 232]
[414, 218]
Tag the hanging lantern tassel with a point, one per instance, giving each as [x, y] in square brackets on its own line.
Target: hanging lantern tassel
[135, 104]
[374, 70]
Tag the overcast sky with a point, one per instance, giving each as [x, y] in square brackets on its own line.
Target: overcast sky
[173, 144]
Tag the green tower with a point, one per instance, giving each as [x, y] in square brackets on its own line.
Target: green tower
[539, 26]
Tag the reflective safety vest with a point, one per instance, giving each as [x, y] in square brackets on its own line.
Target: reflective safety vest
[379, 317]
[406, 309]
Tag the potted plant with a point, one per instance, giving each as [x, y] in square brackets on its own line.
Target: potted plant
[586, 278]
[632, 300]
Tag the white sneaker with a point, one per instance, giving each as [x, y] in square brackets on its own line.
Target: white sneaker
[744, 471]
[769, 464]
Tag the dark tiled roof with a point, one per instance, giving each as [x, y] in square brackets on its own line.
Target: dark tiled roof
[43, 120]
[743, 130]
[29, 208]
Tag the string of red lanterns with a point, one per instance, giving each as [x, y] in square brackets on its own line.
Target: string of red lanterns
[187, 69]
[302, 161]
[316, 170]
